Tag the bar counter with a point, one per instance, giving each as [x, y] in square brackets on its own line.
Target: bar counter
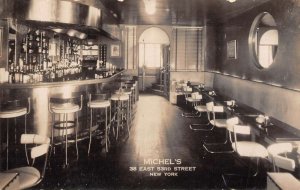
[39, 121]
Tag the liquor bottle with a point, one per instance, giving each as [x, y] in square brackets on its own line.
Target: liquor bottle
[17, 74]
[52, 74]
[45, 62]
[21, 74]
[25, 77]
[23, 46]
[13, 79]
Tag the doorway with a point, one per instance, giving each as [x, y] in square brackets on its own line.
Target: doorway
[153, 43]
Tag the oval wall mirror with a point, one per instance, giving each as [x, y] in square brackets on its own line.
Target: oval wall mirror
[263, 40]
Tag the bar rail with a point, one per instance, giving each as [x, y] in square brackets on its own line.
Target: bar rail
[57, 84]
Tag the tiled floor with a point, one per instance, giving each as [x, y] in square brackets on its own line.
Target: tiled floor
[158, 132]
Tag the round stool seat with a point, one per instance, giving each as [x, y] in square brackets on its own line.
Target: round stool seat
[11, 113]
[250, 149]
[99, 104]
[65, 108]
[27, 176]
[122, 97]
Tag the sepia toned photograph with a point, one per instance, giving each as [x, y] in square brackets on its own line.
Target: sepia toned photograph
[149, 94]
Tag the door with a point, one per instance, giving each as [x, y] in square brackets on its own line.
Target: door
[150, 64]
[151, 60]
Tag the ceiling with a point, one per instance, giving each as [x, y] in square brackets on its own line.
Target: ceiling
[179, 12]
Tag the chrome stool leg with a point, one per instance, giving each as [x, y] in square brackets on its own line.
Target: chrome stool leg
[90, 131]
[52, 134]
[66, 139]
[106, 131]
[76, 135]
[25, 129]
[7, 141]
[128, 116]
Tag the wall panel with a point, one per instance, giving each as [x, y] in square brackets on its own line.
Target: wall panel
[274, 91]
[285, 71]
[279, 103]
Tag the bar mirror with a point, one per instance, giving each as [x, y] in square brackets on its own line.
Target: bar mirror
[263, 40]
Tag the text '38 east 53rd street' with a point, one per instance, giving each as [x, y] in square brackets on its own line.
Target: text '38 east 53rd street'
[162, 167]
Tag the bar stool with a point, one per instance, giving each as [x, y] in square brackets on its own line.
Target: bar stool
[120, 102]
[128, 90]
[100, 101]
[134, 97]
[132, 85]
[64, 107]
[13, 110]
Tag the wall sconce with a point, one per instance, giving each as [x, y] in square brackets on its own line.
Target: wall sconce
[150, 6]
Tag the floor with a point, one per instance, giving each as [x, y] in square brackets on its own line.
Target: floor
[159, 133]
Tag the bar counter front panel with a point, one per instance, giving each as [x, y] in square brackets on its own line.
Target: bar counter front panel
[39, 120]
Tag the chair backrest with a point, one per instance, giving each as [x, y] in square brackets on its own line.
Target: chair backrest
[230, 103]
[231, 122]
[22, 102]
[187, 89]
[102, 96]
[196, 96]
[39, 150]
[183, 85]
[277, 156]
[219, 109]
[209, 106]
[62, 100]
[34, 139]
[237, 129]
[44, 143]
[212, 109]
[241, 129]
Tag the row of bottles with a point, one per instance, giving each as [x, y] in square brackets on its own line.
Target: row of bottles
[57, 72]
[102, 55]
[46, 57]
[25, 74]
[35, 74]
[34, 49]
[35, 42]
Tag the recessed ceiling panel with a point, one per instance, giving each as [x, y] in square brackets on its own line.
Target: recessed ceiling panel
[178, 12]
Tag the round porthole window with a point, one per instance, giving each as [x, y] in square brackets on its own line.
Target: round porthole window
[263, 40]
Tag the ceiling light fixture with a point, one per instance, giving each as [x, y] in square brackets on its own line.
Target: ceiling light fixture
[231, 1]
[120, 0]
[150, 6]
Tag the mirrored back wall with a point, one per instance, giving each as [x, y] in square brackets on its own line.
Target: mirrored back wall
[241, 46]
